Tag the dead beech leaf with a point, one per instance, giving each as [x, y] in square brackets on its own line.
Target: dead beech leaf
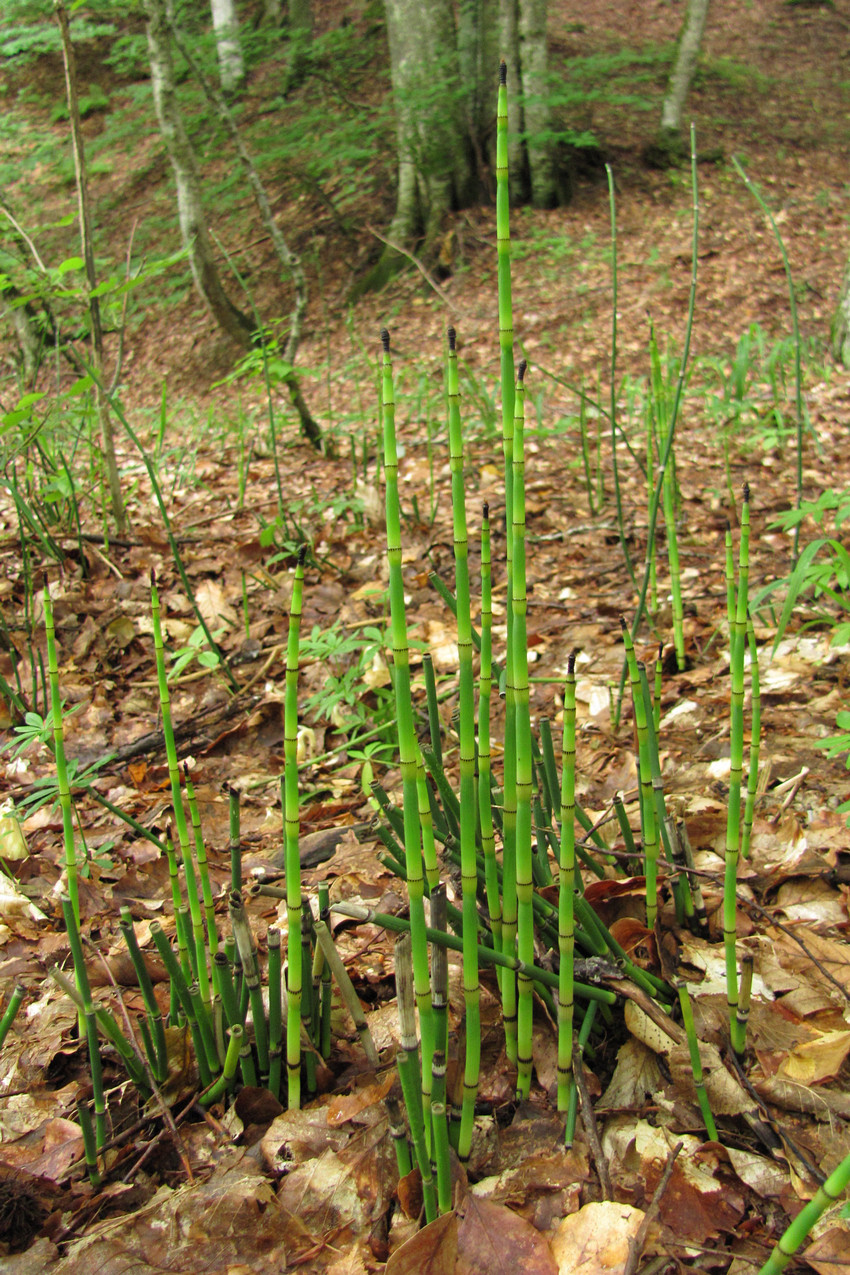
[431, 1251]
[213, 604]
[816, 1060]
[595, 1241]
[345, 1107]
[828, 1253]
[493, 1240]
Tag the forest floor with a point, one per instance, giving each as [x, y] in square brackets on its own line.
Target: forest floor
[254, 1187]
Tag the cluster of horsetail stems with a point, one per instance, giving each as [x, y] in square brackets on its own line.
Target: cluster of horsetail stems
[214, 984]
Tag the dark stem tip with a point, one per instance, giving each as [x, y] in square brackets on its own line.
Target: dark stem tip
[503, 72]
[660, 650]
[302, 555]
[746, 493]
[153, 577]
[485, 510]
[571, 663]
[521, 370]
[385, 340]
[452, 336]
[728, 525]
[623, 624]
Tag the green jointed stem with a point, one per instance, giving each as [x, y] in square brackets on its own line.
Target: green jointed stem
[407, 745]
[201, 856]
[433, 706]
[466, 733]
[11, 1010]
[84, 988]
[675, 576]
[755, 742]
[649, 832]
[440, 1154]
[737, 641]
[656, 698]
[227, 1078]
[517, 690]
[159, 1062]
[426, 819]
[506, 347]
[730, 578]
[696, 1061]
[409, 1070]
[235, 840]
[251, 974]
[275, 1010]
[59, 758]
[177, 800]
[566, 892]
[797, 1233]
[291, 834]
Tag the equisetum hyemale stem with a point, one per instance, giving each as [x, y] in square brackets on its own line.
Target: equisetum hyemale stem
[696, 1061]
[648, 823]
[409, 1070]
[291, 835]
[517, 689]
[407, 744]
[566, 892]
[466, 733]
[737, 642]
[59, 758]
[508, 382]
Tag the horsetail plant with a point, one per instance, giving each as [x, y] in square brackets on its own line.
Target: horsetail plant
[11, 1011]
[737, 642]
[566, 892]
[468, 812]
[291, 831]
[517, 691]
[648, 824]
[407, 745]
[59, 759]
[506, 349]
[197, 944]
[409, 1070]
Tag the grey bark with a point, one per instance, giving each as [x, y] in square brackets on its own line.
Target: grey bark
[104, 419]
[540, 150]
[193, 229]
[289, 260]
[687, 53]
[231, 65]
[841, 322]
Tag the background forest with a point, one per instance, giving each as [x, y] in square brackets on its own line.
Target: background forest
[215, 582]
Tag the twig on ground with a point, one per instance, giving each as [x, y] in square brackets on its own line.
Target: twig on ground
[589, 1121]
[637, 1242]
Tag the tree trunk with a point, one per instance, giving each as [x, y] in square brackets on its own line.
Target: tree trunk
[687, 53]
[288, 259]
[535, 108]
[226, 27]
[193, 228]
[107, 436]
[444, 79]
[841, 322]
[29, 344]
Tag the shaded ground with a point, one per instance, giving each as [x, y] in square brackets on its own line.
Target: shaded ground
[318, 1184]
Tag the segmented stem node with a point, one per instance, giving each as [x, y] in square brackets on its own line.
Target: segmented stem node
[452, 336]
[385, 340]
[503, 72]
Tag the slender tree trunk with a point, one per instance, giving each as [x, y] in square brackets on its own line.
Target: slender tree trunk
[226, 27]
[104, 419]
[536, 113]
[687, 53]
[509, 30]
[289, 260]
[29, 343]
[841, 322]
[193, 228]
